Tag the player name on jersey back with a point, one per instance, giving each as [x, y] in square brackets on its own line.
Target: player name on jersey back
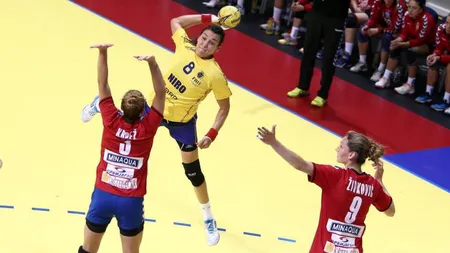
[360, 188]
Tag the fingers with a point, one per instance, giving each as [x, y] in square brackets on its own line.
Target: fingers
[273, 128]
[201, 144]
[144, 57]
[102, 46]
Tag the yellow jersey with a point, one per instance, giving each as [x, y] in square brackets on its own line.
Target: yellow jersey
[189, 80]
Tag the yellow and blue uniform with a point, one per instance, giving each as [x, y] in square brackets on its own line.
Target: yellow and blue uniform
[189, 80]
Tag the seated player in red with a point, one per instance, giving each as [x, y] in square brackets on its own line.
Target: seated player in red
[360, 14]
[416, 39]
[299, 8]
[347, 193]
[127, 140]
[440, 58]
[385, 22]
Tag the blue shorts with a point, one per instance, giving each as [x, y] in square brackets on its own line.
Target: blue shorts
[129, 211]
[185, 133]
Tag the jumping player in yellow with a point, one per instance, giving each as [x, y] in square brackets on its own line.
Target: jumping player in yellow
[192, 75]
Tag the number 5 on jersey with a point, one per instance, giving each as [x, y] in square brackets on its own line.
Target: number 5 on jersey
[125, 148]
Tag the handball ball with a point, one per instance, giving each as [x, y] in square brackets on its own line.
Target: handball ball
[231, 16]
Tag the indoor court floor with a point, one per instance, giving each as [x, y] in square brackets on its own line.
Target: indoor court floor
[262, 205]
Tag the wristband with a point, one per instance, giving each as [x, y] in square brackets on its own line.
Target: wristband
[212, 134]
[206, 18]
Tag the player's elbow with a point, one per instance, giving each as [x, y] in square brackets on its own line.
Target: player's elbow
[390, 211]
[175, 24]
[174, 21]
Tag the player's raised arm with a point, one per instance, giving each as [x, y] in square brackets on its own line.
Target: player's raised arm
[379, 171]
[187, 21]
[158, 82]
[268, 137]
[102, 70]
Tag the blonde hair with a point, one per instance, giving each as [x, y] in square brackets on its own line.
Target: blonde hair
[133, 103]
[365, 147]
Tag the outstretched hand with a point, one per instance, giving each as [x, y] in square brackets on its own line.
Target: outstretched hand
[147, 58]
[266, 136]
[219, 21]
[102, 46]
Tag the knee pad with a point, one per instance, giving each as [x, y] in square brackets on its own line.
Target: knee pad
[96, 228]
[411, 57]
[299, 14]
[352, 21]
[186, 147]
[81, 250]
[194, 173]
[386, 42]
[361, 37]
[395, 54]
[132, 232]
[437, 66]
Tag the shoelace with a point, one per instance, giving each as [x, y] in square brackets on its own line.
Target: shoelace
[210, 226]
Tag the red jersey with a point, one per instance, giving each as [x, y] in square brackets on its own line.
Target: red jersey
[125, 150]
[346, 198]
[388, 19]
[365, 5]
[307, 4]
[419, 31]
[443, 44]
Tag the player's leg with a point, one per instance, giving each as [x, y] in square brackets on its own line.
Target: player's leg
[97, 220]
[354, 20]
[193, 171]
[186, 136]
[333, 34]
[130, 218]
[363, 47]
[311, 46]
[413, 54]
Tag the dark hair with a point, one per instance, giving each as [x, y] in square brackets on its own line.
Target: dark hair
[133, 103]
[365, 147]
[215, 29]
[421, 3]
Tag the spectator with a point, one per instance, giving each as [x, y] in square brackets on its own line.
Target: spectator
[273, 24]
[439, 59]
[360, 14]
[385, 22]
[416, 39]
[299, 8]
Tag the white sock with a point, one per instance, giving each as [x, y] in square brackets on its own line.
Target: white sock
[387, 74]
[411, 80]
[363, 58]
[212, 2]
[447, 97]
[382, 67]
[294, 32]
[207, 213]
[429, 89]
[240, 3]
[276, 14]
[349, 47]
